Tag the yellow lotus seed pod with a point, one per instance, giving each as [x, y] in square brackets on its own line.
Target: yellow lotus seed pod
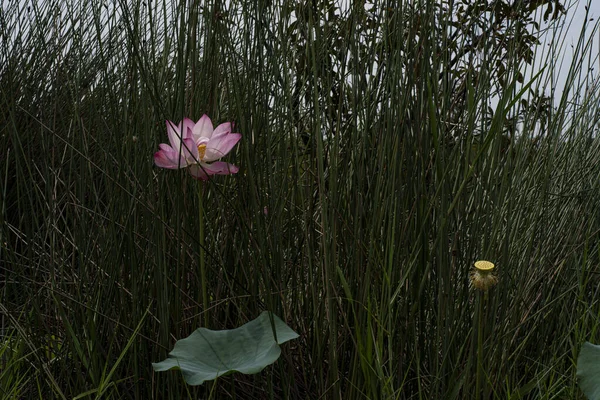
[482, 277]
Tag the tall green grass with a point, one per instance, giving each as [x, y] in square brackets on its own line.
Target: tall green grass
[373, 175]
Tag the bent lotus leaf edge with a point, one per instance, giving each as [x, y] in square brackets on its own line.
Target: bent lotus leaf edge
[207, 354]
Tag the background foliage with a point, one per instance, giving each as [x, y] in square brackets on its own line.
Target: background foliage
[386, 147]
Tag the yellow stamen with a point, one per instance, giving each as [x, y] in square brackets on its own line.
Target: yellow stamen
[201, 151]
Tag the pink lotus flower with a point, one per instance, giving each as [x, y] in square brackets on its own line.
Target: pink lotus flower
[197, 147]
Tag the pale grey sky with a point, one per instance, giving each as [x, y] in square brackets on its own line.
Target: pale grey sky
[571, 31]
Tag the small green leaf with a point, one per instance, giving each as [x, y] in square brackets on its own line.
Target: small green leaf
[207, 354]
[588, 370]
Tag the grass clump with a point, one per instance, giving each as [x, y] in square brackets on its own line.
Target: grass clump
[385, 148]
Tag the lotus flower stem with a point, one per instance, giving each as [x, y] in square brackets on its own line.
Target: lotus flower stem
[480, 302]
[202, 256]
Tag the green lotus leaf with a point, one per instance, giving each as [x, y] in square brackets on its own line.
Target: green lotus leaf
[588, 370]
[207, 354]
